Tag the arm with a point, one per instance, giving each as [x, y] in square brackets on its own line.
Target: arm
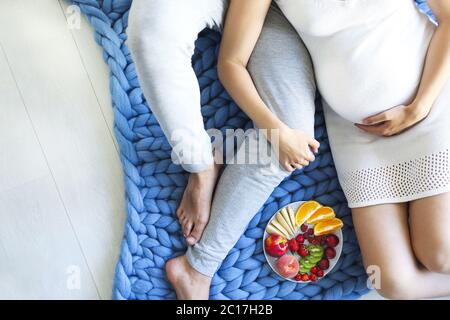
[435, 75]
[437, 64]
[245, 20]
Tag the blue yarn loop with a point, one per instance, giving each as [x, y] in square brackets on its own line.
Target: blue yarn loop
[154, 185]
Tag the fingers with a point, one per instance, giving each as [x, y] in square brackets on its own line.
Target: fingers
[304, 163]
[309, 156]
[382, 130]
[376, 119]
[297, 166]
[315, 145]
[187, 227]
[288, 167]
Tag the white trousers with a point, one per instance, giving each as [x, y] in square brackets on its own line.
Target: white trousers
[161, 37]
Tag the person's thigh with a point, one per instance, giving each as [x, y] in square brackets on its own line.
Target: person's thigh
[430, 230]
[282, 71]
[169, 18]
[161, 37]
[384, 239]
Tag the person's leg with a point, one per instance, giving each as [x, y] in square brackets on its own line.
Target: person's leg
[282, 71]
[161, 37]
[430, 231]
[384, 237]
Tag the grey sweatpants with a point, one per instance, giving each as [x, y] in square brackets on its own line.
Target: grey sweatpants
[282, 72]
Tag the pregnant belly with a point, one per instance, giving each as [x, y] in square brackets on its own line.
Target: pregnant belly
[359, 89]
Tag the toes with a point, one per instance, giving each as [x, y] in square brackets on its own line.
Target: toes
[179, 213]
[197, 232]
[187, 228]
[191, 241]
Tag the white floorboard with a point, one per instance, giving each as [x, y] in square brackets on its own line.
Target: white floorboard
[92, 59]
[73, 133]
[37, 241]
[38, 248]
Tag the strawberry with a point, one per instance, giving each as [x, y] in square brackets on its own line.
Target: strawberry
[324, 264]
[312, 277]
[332, 240]
[305, 277]
[302, 251]
[293, 245]
[300, 239]
[320, 273]
[298, 277]
[304, 227]
[314, 270]
[314, 241]
[330, 253]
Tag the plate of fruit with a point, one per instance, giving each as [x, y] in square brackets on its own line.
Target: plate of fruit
[303, 241]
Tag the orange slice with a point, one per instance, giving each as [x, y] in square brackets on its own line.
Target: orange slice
[328, 226]
[305, 211]
[323, 213]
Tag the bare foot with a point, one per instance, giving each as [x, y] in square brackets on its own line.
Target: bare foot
[188, 283]
[194, 210]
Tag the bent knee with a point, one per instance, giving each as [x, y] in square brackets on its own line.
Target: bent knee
[149, 40]
[433, 253]
[142, 40]
[436, 260]
[396, 285]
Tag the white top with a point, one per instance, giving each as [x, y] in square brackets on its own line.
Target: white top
[368, 57]
[366, 53]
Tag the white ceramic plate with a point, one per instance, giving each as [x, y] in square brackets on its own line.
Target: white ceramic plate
[272, 260]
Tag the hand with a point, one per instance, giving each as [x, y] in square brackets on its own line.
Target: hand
[395, 120]
[296, 149]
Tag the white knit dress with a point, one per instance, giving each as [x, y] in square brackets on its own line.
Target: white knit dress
[368, 57]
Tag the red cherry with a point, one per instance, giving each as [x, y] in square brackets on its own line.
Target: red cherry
[305, 277]
[312, 277]
[304, 227]
[330, 253]
[300, 239]
[324, 264]
[310, 232]
[302, 251]
[320, 273]
[293, 245]
[314, 270]
[322, 240]
[332, 240]
[298, 277]
[314, 241]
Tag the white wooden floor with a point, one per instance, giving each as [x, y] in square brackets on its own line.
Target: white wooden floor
[61, 191]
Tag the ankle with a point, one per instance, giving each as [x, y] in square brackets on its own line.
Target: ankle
[201, 176]
[192, 273]
[195, 275]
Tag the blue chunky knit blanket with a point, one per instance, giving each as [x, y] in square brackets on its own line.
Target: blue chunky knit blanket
[154, 185]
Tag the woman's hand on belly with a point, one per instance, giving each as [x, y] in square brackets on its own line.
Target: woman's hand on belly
[396, 120]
